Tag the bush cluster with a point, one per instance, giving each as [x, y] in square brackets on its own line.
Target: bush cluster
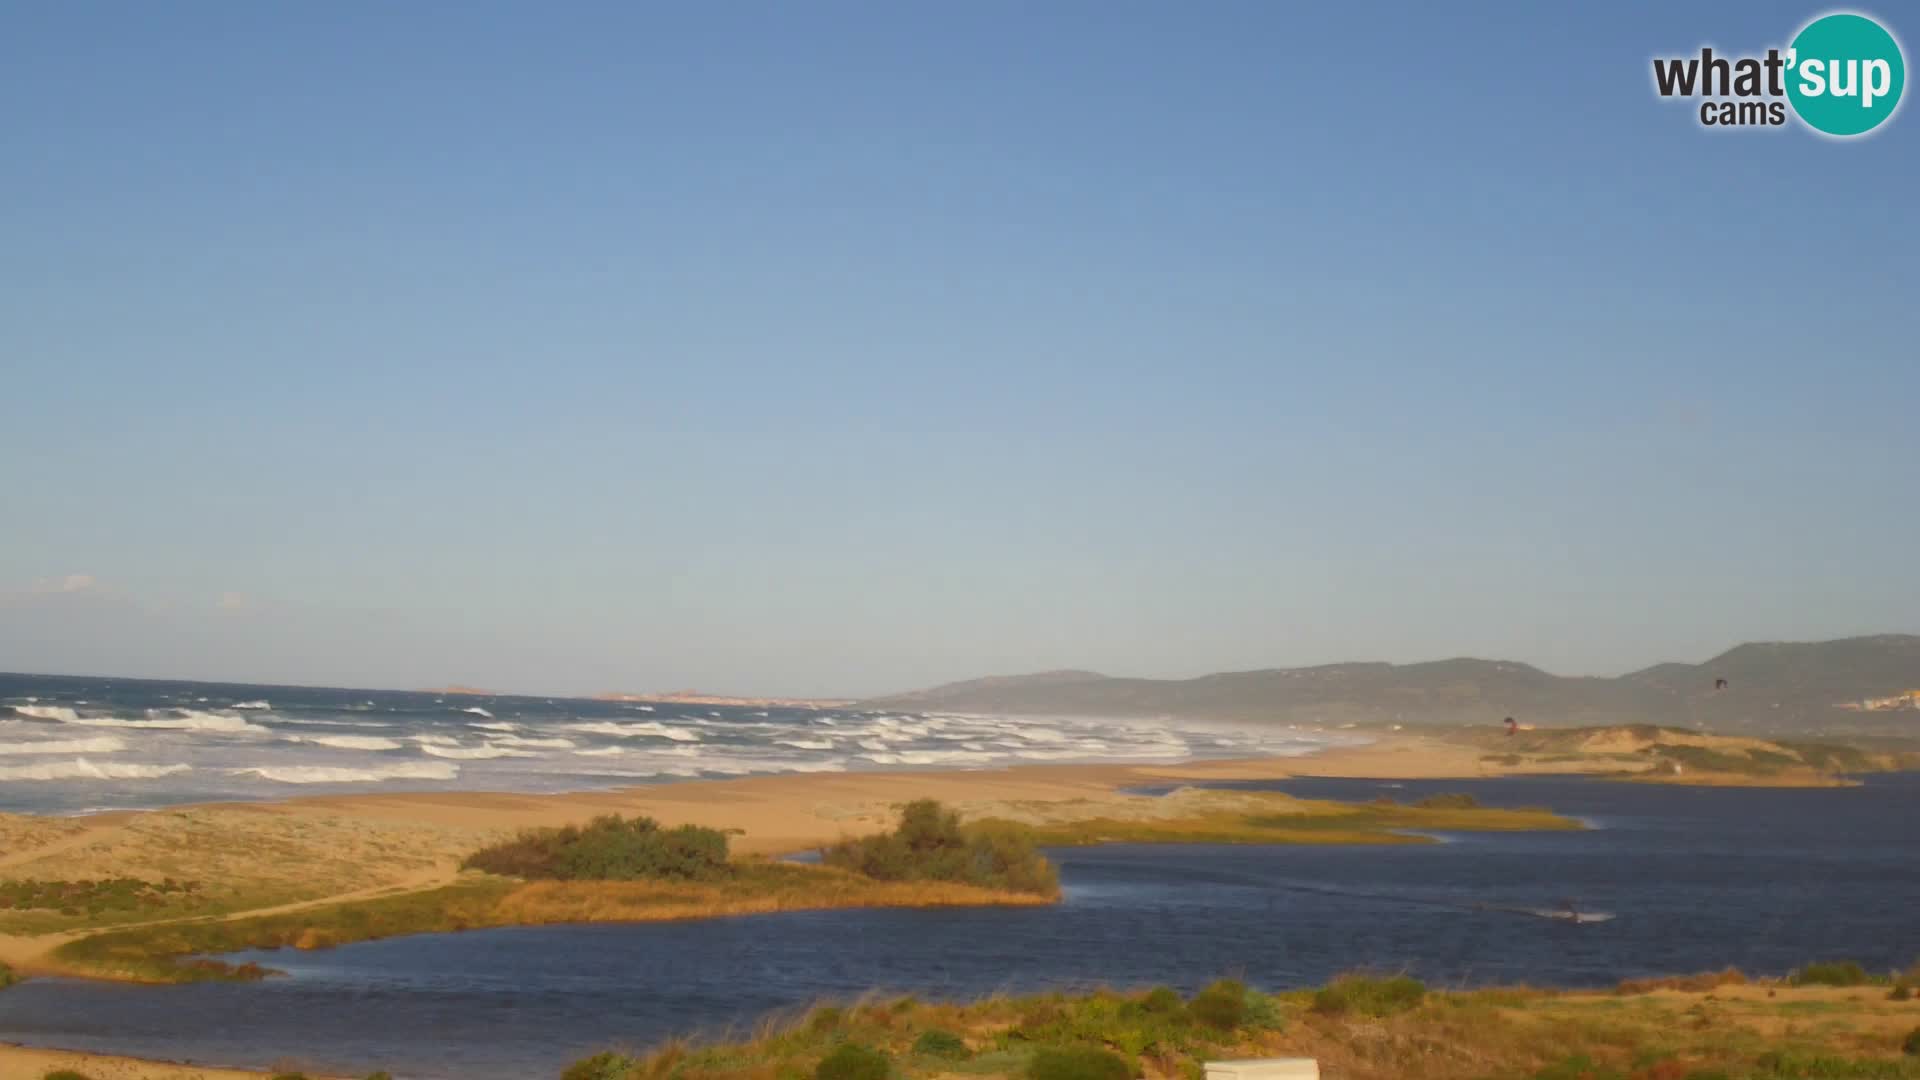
[938, 1043]
[930, 845]
[1838, 973]
[610, 848]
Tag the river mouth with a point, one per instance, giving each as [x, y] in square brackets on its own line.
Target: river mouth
[1695, 879]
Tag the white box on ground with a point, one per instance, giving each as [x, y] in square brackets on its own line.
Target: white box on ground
[1264, 1069]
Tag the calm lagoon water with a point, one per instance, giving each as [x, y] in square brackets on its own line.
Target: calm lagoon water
[1694, 879]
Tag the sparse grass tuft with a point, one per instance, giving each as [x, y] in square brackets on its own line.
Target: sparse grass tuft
[1078, 1063]
[939, 1043]
[852, 1061]
[1368, 995]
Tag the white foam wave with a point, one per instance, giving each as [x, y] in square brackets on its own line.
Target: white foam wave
[100, 744]
[82, 769]
[806, 744]
[471, 753]
[174, 720]
[477, 711]
[47, 712]
[252, 706]
[602, 751]
[348, 742]
[434, 740]
[642, 727]
[537, 744]
[322, 774]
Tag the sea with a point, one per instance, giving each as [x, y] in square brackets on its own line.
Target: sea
[75, 745]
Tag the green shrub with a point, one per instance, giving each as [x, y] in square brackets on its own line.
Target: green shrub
[1911, 1047]
[609, 848]
[1901, 992]
[929, 844]
[1450, 800]
[1838, 973]
[940, 1044]
[289, 1076]
[1369, 996]
[1263, 1012]
[64, 1074]
[1222, 1005]
[852, 1061]
[1162, 1001]
[1078, 1063]
[602, 1066]
[7, 977]
[381, 1075]
[825, 1019]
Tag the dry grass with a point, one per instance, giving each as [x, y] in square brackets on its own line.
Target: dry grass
[1512, 1034]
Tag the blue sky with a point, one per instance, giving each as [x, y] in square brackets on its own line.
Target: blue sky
[850, 347]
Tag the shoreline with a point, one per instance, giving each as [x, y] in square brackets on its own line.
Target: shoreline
[777, 814]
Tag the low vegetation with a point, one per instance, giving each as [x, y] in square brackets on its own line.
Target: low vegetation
[610, 848]
[610, 870]
[91, 897]
[1358, 1027]
[1263, 818]
[931, 845]
[7, 977]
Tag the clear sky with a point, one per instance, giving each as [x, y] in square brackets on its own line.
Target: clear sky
[849, 347]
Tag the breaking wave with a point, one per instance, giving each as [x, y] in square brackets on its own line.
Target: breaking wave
[477, 711]
[82, 769]
[47, 712]
[100, 744]
[322, 774]
[348, 742]
[252, 706]
[471, 753]
[174, 720]
[643, 727]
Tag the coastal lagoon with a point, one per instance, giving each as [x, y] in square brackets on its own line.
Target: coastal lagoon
[1679, 879]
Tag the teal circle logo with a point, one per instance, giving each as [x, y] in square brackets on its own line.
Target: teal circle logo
[1844, 74]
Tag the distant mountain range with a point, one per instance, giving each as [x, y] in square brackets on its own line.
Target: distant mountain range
[1861, 685]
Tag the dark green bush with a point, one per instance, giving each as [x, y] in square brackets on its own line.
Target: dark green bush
[940, 1044]
[1901, 992]
[602, 1066]
[610, 848]
[381, 1075]
[1451, 800]
[851, 1061]
[1222, 1005]
[7, 977]
[64, 1074]
[930, 845]
[1911, 1047]
[1369, 996]
[1838, 973]
[1078, 1063]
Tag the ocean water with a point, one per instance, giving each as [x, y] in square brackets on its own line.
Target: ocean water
[73, 745]
[1683, 879]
